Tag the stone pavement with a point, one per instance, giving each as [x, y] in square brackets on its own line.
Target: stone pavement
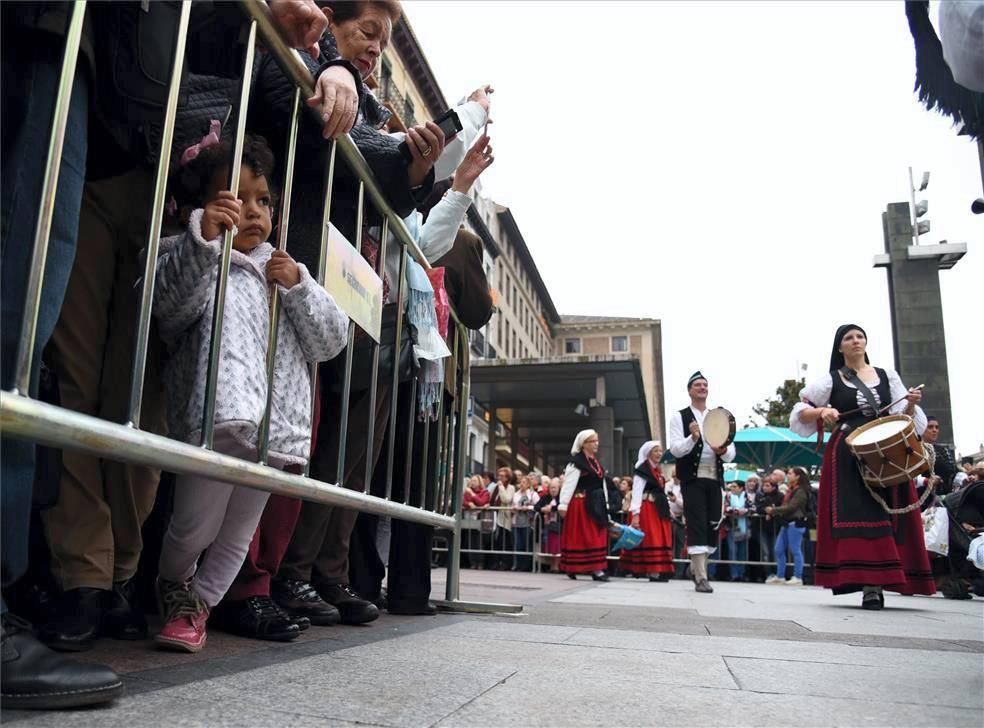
[626, 652]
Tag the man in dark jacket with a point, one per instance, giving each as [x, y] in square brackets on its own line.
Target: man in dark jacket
[127, 49]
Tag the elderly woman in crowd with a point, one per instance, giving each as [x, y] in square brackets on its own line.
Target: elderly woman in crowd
[650, 510]
[586, 505]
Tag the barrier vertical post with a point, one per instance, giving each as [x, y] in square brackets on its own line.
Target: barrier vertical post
[263, 436]
[156, 218]
[218, 312]
[374, 379]
[46, 212]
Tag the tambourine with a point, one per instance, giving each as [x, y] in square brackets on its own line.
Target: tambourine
[719, 427]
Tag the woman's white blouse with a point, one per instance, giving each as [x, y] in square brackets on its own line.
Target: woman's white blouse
[817, 394]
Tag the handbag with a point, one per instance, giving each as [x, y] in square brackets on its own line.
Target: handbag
[362, 355]
[936, 528]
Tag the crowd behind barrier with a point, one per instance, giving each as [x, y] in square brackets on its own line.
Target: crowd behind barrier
[203, 346]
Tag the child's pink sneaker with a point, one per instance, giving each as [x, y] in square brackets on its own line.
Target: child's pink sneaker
[185, 627]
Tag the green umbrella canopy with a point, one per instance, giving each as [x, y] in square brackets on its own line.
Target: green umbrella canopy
[773, 447]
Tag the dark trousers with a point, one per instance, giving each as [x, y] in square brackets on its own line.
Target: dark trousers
[319, 548]
[267, 548]
[702, 511]
[31, 68]
[409, 573]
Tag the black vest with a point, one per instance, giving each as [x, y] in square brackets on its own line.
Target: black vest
[687, 465]
[655, 489]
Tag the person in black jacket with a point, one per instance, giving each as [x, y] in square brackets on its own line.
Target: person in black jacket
[768, 497]
[126, 51]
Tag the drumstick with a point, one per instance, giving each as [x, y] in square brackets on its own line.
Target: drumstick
[842, 415]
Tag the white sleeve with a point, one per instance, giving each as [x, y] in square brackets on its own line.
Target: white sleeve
[473, 118]
[571, 476]
[438, 233]
[638, 486]
[814, 394]
[898, 391]
[729, 455]
[680, 443]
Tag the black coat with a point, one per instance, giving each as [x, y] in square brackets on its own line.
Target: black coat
[272, 100]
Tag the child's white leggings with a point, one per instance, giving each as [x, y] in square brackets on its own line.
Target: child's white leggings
[209, 514]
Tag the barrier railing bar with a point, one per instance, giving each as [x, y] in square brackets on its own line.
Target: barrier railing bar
[408, 461]
[57, 427]
[263, 437]
[395, 377]
[322, 264]
[457, 481]
[218, 312]
[46, 211]
[349, 354]
[374, 378]
[424, 470]
[156, 218]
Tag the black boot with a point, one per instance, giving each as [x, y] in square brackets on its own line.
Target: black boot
[124, 619]
[256, 617]
[77, 620]
[352, 608]
[300, 600]
[34, 677]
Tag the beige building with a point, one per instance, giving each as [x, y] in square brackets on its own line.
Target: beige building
[537, 377]
[642, 337]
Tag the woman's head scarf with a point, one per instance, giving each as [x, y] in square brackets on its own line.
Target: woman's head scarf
[647, 447]
[579, 440]
[836, 356]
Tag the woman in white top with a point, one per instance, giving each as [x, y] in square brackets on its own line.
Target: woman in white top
[860, 547]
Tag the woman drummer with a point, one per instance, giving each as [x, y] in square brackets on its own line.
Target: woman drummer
[651, 513]
[584, 538]
[860, 547]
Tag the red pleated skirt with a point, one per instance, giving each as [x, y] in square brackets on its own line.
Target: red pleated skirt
[850, 563]
[583, 544]
[655, 554]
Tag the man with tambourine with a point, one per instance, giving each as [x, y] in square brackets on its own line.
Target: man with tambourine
[701, 472]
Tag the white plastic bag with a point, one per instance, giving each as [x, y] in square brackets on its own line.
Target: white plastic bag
[975, 553]
[936, 526]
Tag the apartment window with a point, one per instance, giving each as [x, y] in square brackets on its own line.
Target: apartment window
[572, 346]
[515, 348]
[620, 344]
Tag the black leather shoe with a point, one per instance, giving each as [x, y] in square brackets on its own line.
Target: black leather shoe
[36, 678]
[77, 620]
[124, 619]
[572, 577]
[599, 576]
[300, 600]
[704, 587]
[352, 608]
[873, 600]
[424, 609]
[256, 617]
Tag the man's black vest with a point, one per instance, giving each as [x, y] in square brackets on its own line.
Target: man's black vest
[687, 465]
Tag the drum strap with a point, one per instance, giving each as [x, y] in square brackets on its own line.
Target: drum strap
[930, 486]
[852, 377]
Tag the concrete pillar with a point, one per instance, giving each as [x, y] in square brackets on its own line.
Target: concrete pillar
[917, 318]
[514, 446]
[490, 455]
[618, 450]
[602, 421]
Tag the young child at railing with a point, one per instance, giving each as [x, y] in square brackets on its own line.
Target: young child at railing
[209, 514]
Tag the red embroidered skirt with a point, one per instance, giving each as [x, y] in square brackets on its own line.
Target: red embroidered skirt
[655, 554]
[896, 561]
[583, 543]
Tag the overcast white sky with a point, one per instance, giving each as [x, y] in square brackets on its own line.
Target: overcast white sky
[722, 167]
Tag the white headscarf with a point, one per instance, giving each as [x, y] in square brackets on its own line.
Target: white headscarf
[579, 440]
[647, 447]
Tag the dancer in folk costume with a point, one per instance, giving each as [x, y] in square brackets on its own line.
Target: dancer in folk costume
[861, 547]
[650, 513]
[584, 538]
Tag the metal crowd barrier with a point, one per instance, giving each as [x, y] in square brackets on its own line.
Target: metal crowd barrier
[482, 548]
[23, 417]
